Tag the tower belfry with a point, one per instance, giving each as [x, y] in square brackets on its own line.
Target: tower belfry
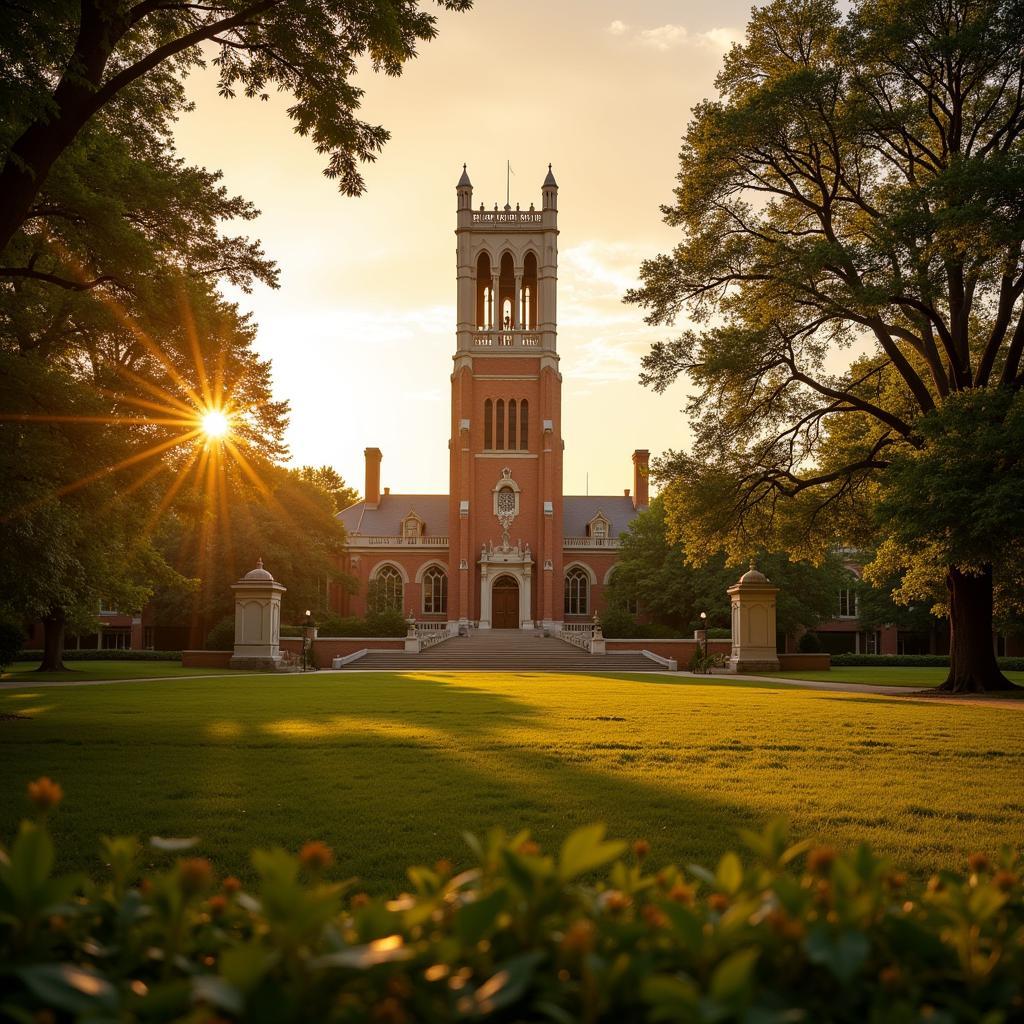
[506, 444]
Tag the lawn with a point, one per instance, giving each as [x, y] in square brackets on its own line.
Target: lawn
[85, 671]
[918, 678]
[390, 769]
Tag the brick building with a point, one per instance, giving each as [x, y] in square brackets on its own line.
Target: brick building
[504, 548]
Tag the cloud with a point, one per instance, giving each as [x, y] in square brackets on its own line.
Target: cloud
[672, 36]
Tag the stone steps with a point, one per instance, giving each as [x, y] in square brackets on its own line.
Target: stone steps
[503, 650]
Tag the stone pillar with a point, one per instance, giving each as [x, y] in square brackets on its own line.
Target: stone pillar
[257, 620]
[753, 623]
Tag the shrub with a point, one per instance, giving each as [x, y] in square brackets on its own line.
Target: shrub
[719, 633]
[810, 644]
[790, 933]
[222, 636]
[12, 636]
[386, 623]
[617, 623]
[702, 663]
[113, 655]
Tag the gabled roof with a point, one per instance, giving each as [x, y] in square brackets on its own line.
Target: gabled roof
[386, 519]
[579, 510]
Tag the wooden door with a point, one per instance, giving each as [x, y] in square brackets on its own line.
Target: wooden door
[505, 603]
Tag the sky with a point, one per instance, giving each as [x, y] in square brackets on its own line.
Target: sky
[361, 330]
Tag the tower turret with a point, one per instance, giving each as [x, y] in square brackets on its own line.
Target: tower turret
[464, 190]
[549, 191]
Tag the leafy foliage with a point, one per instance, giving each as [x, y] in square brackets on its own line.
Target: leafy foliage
[655, 570]
[790, 932]
[851, 257]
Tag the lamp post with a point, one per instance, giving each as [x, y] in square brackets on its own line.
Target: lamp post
[308, 636]
[704, 632]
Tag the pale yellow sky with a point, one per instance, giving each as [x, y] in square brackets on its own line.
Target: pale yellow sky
[362, 330]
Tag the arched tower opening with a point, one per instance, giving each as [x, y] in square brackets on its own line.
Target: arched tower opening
[484, 299]
[528, 314]
[507, 292]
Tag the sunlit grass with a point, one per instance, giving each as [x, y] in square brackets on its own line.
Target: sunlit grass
[390, 769]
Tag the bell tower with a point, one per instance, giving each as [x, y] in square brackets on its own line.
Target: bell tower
[505, 491]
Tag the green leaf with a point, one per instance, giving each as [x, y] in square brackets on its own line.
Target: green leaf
[208, 988]
[585, 850]
[506, 985]
[475, 919]
[244, 966]
[31, 861]
[381, 951]
[843, 953]
[729, 876]
[732, 976]
[67, 987]
[672, 997]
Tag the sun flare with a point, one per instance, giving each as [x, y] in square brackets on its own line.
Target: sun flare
[215, 424]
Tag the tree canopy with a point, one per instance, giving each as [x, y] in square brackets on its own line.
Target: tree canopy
[852, 219]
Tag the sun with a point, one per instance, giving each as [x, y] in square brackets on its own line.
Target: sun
[215, 424]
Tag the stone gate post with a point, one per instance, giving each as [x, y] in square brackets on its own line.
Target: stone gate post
[257, 620]
[753, 623]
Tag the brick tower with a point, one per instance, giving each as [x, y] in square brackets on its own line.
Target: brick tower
[505, 496]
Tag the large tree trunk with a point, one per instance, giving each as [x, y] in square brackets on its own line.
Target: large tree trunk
[53, 643]
[972, 657]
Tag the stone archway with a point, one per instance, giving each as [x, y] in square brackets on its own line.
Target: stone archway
[505, 603]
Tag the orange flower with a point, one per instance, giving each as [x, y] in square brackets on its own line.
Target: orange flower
[443, 867]
[195, 874]
[641, 848]
[232, 885]
[978, 862]
[529, 848]
[359, 899]
[821, 859]
[615, 902]
[681, 893]
[1005, 880]
[579, 937]
[718, 901]
[896, 880]
[45, 793]
[654, 916]
[316, 856]
[890, 976]
[218, 904]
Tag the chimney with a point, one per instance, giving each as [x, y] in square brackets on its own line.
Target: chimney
[641, 459]
[387, 491]
[371, 491]
[625, 492]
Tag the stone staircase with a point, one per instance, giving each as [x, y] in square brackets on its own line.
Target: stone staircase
[503, 650]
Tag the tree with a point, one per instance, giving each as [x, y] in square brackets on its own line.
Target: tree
[330, 481]
[69, 547]
[655, 572]
[858, 187]
[62, 64]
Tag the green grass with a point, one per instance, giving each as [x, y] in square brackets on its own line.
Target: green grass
[390, 769]
[918, 678]
[87, 671]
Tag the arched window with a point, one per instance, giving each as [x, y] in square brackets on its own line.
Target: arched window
[512, 424]
[387, 589]
[506, 292]
[435, 591]
[499, 417]
[484, 298]
[577, 590]
[488, 423]
[523, 425]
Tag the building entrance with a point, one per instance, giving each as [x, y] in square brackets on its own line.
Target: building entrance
[505, 603]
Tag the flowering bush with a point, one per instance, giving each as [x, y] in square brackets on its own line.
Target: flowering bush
[790, 933]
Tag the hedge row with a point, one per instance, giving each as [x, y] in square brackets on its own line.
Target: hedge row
[94, 655]
[913, 661]
[788, 933]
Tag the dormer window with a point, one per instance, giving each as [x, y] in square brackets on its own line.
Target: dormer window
[599, 530]
[412, 527]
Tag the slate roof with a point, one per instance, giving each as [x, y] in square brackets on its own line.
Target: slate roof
[386, 519]
[579, 509]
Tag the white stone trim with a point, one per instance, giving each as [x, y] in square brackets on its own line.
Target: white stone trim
[418, 578]
[591, 575]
